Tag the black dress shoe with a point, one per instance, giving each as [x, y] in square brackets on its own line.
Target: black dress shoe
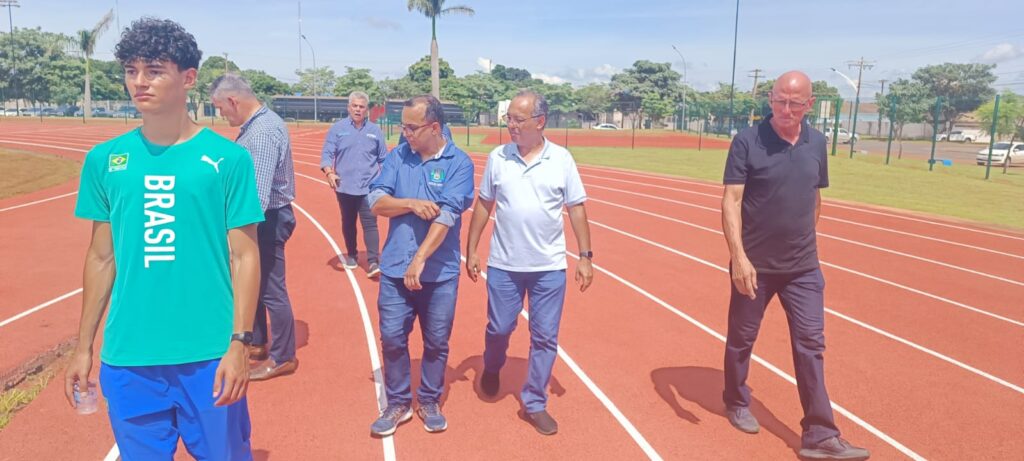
[489, 383]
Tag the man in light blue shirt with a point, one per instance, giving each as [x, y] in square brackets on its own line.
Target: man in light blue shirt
[424, 187]
[531, 180]
[351, 158]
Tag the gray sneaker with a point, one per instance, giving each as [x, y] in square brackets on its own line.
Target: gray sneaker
[834, 448]
[351, 262]
[543, 422]
[742, 419]
[389, 420]
[433, 420]
[373, 271]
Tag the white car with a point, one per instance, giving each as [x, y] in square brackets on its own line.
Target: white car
[605, 126]
[844, 136]
[9, 112]
[999, 153]
[966, 136]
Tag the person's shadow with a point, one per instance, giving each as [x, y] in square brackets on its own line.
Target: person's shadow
[703, 386]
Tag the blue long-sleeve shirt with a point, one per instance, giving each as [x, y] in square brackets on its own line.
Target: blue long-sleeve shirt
[355, 154]
[445, 179]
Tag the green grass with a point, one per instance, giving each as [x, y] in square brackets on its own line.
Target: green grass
[958, 191]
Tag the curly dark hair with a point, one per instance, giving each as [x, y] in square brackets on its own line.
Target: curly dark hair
[152, 39]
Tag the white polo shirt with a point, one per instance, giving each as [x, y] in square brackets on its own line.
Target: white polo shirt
[529, 231]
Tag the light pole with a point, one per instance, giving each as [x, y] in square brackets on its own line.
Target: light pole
[856, 102]
[316, 112]
[732, 86]
[14, 63]
[684, 84]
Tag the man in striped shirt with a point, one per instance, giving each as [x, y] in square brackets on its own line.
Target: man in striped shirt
[265, 136]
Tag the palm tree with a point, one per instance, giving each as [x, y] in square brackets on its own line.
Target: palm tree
[432, 9]
[86, 44]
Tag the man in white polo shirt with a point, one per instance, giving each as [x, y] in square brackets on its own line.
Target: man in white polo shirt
[531, 180]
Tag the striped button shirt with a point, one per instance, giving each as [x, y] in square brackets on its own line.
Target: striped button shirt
[265, 136]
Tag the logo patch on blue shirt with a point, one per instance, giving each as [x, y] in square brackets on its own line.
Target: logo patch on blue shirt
[371, 136]
[437, 175]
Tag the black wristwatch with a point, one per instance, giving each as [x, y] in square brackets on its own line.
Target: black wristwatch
[244, 337]
[587, 254]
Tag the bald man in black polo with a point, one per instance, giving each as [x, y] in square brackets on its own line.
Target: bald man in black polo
[773, 177]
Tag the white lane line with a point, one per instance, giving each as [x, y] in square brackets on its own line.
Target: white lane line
[113, 455]
[23, 205]
[830, 218]
[40, 307]
[869, 276]
[925, 237]
[945, 358]
[925, 221]
[852, 242]
[371, 342]
[601, 396]
[5, 141]
[774, 369]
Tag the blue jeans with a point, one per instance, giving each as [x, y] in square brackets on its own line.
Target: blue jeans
[505, 293]
[399, 307]
[803, 299]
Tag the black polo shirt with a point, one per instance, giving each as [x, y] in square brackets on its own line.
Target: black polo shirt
[781, 184]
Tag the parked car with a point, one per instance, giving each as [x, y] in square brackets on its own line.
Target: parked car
[966, 136]
[605, 126]
[944, 136]
[999, 153]
[49, 112]
[126, 112]
[30, 112]
[96, 112]
[9, 113]
[844, 136]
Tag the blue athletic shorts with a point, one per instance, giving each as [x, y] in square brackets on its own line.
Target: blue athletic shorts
[150, 407]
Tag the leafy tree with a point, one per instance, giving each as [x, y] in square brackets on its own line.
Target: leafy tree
[475, 93]
[402, 88]
[908, 101]
[649, 87]
[420, 72]
[593, 99]
[108, 81]
[1010, 121]
[510, 74]
[356, 80]
[433, 9]
[62, 76]
[264, 85]
[86, 44]
[34, 52]
[963, 88]
[323, 82]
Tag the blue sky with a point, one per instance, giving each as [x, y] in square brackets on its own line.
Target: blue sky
[579, 42]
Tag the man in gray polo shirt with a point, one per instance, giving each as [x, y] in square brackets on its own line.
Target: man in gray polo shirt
[353, 151]
[531, 180]
[773, 179]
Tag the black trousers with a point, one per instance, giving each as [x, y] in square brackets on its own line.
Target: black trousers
[351, 207]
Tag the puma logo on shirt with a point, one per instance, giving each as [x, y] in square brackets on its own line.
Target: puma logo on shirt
[216, 165]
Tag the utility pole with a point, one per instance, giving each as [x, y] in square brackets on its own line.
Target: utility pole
[684, 85]
[753, 93]
[14, 63]
[860, 65]
[882, 94]
[300, 36]
[226, 63]
[732, 83]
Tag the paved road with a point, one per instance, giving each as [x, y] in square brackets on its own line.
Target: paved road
[957, 152]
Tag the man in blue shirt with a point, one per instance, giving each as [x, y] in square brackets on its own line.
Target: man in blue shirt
[424, 186]
[351, 158]
[773, 179]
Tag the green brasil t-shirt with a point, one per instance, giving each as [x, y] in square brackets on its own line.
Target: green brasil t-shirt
[170, 208]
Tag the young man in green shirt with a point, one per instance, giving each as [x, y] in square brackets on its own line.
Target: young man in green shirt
[174, 254]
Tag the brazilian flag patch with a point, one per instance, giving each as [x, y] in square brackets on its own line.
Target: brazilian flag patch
[117, 162]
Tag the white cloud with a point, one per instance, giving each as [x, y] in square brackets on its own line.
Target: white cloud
[552, 79]
[485, 64]
[605, 70]
[1001, 53]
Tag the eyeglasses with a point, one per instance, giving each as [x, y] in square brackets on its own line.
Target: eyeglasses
[515, 121]
[790, 103]
[408, 130]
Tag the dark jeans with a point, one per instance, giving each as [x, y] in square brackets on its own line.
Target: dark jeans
[272, 234]
[351, 205]
[399, 307]
[803, 299]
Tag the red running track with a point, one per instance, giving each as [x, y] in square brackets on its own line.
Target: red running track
[921, 310]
